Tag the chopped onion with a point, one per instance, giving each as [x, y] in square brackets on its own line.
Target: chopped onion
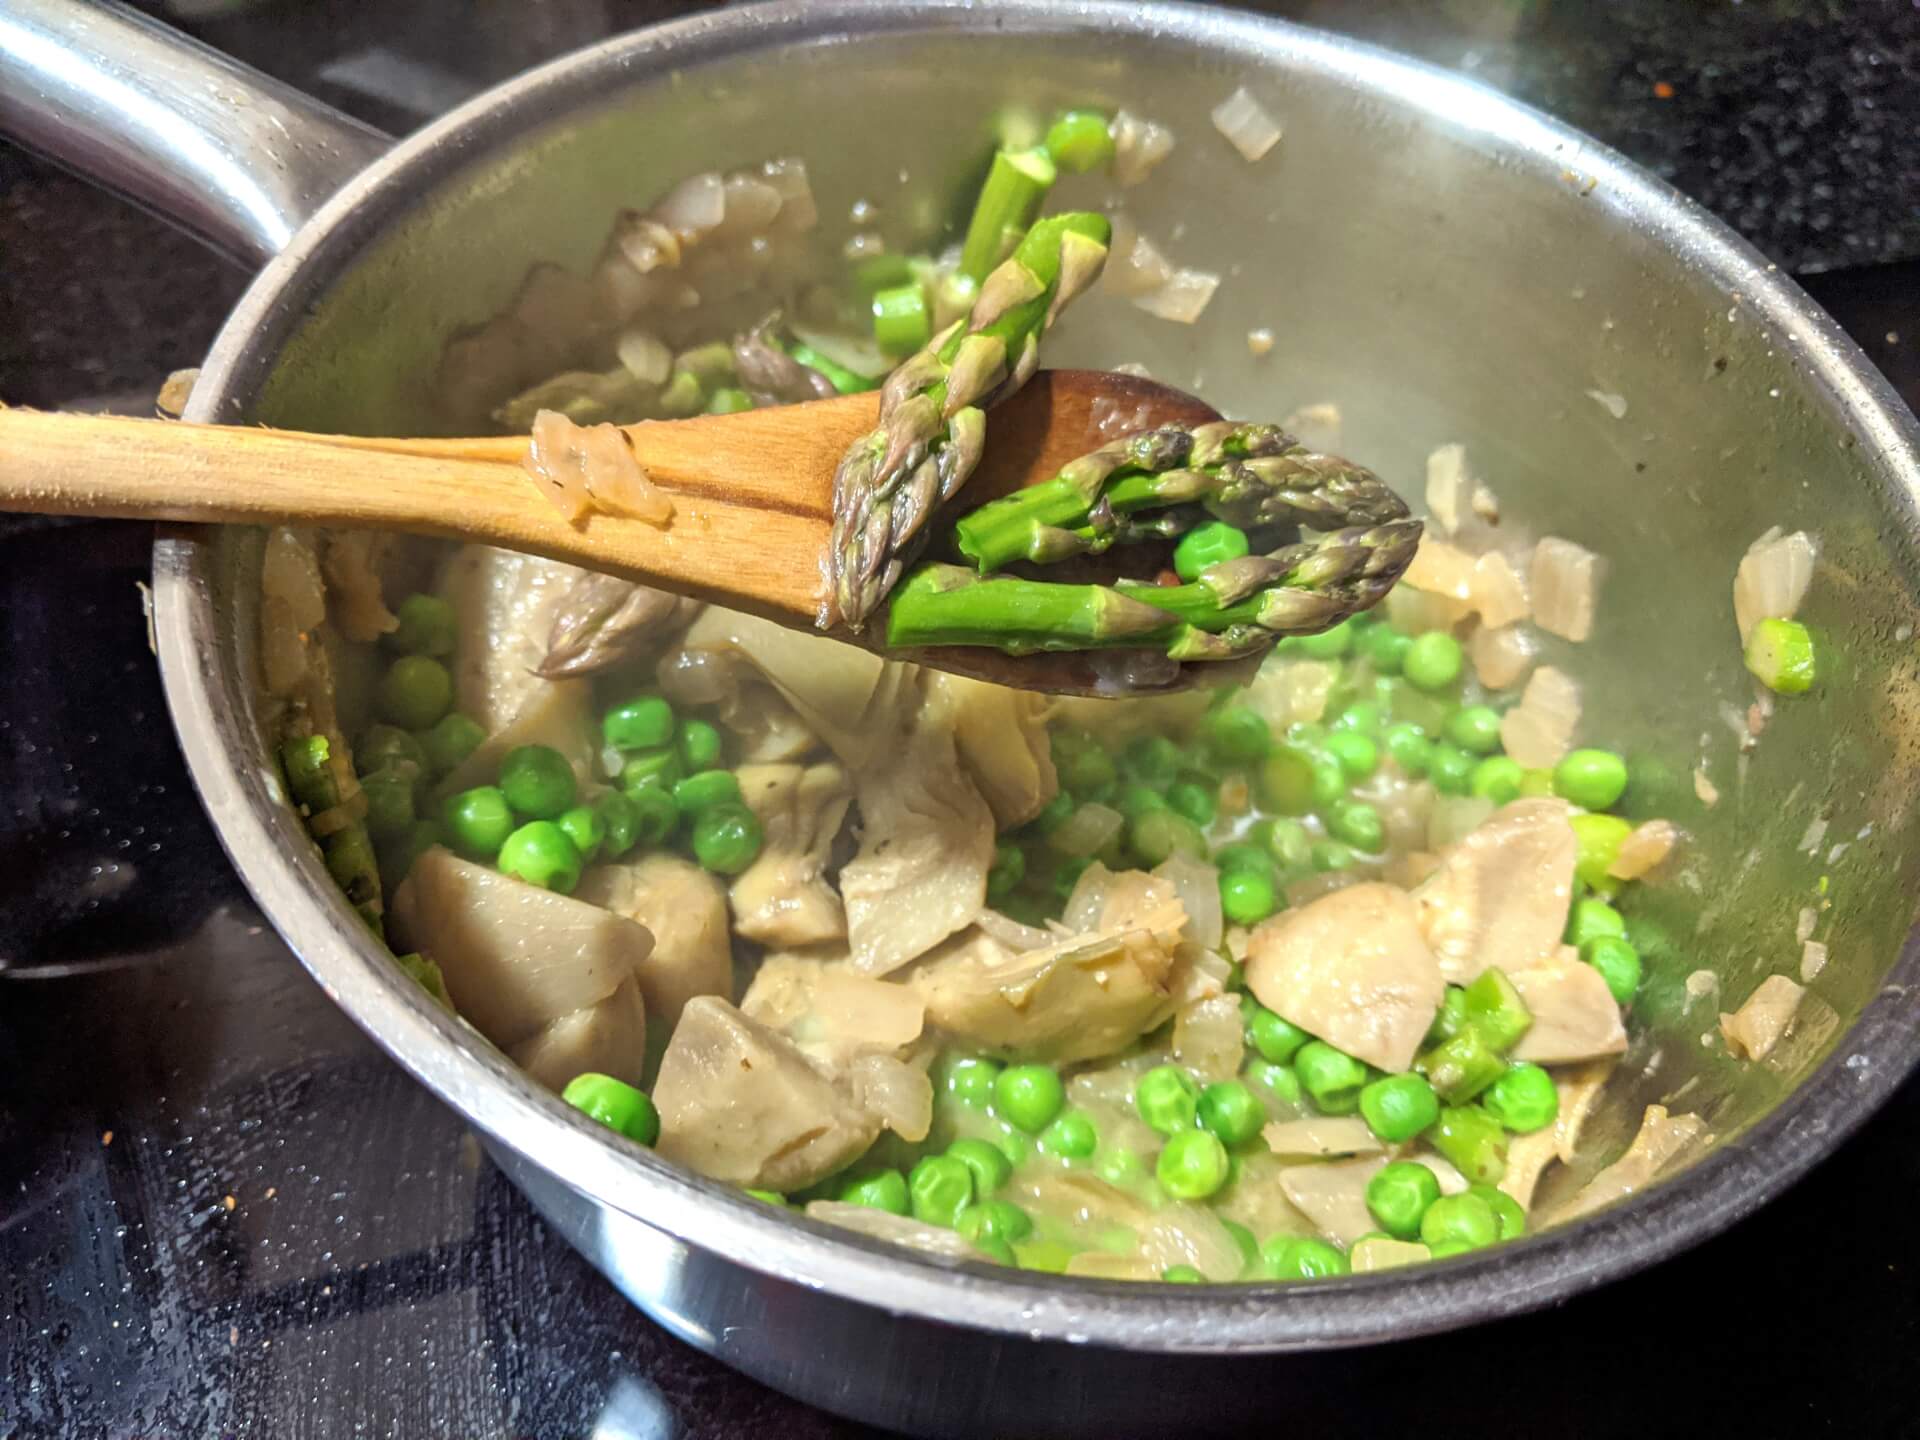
[1565, 578]
[646, 244]
[883, 1225]
[1182, 298]
[1500, 657]
[1198, 885]
[1316, 426]
[748, 207]
[1081, 914]
[290, 572]
[1208, 1038]
[1813, 959]
[1138, 145]
[1756, 1027]
[858, 353]
[898, 1093]
[1181, 1234]
[1614, 405]
[646, 357]
[1442, 569]
[1646, 847]
[1259, 341]
[586, 468]
[1539, 731]
[1486, 504]
[1010, 932]
[1135, 267]
[1447, 485]
[1248, 128]
[788, 177]
[1496, 590]
[1772, 580]
[1414, 612]
[1088, 830]
[1707, 792]
[694, 206]
[1804, 924]
[283, 654]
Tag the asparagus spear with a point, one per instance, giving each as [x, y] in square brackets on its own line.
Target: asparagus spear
[1244, 474]
[932, 422]
[1235, 608]
[1016, 184]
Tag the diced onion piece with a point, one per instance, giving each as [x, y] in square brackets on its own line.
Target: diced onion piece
[694, 206]
[788, 177]
[1813, 959]
[1182, 298]
[883, 1225]
[283, 654]
[898, 1093]
[646, 244]
[1485, 503]
[646, 357]
[1260, 341]
[1444, 571]
[1382, 1252]
[1614, 405]
[1135, 265]
[1564, 581]
[1496, 590]
[1804, 923]
[1772, 580]
[1539, 730]
[1198, 885]
[1248, 128]
[1180, 1234]
[1316, 426]
[1208, 1038]
[1646, 847]
[748, 206]
[175, 392]
[1414, 612]
[290, 572]
[1707, 792]
[586, 468]
[1011, 933]
[1448, 485]
[1138, 145]
[1500, 657]
[858, 353]
[1756, 1027]
[1088, 830]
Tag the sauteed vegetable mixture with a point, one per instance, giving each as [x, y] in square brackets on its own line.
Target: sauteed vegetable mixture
[1317, 967]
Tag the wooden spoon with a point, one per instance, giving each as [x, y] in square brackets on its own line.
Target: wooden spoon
[752, 492]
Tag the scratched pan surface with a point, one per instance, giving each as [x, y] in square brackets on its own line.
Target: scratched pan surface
[1445, 265]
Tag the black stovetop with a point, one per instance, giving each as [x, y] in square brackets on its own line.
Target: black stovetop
[223, 1212]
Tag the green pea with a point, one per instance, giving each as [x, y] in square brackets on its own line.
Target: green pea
[1400, 1194]
[1192, 1165]
[1591, 779]
[415, 692]
[1071, 1136]
[699, 745]
[1287, 841]
[1182, 1275]
[1028, 1096]
[1049, 1257]
[1450, 769]
[878, 1190]
[1359, 757]
[450, 740]
[1475, 729]
[969, 1079]
[1364, 717]
[1293, 1257]
[1238, 735]
[1356, 823]
[477, 822]
[645, 722]
[1055, 813]
[1433, 661]
[650, 767]
[1083, 765]
[1536, 783]
[1247, 896]
[1597, 842]
[938, 1188]
[989, 1164]
[1460, 1219]
[1618, 963]
[1120, 1166]
[540, 853]
[1275, 1038]
[615, 1104]
[768, 1197]
[1066, 876]
[389, 795]
[1385, 648]
[1524, 1099]
[1229, 1110]
[1277, 1083]
[1399, 1107]
[1243, 855]
[656, 816]
[705, 790]
[1592, 918]
[1154, 837]
[1333, 1078]
[619, 821]
[1329, 644]
[428, 626]
[1780, 655]
[385, 745]
[1473, 1140]
[1009, 869]
[1205, 545]
[1135, 800]
[726, 838]
[586, 827]
[1168, 1099]
[1447, 1249]
[1409, 748]
[1295, 779]
[1080, 141]
[537, 781]
[1243, 1240]
[1496, 778]
[994, 1220]
[1331, 855]
[1506, 1210]
[1193, 801]
[1153, 760]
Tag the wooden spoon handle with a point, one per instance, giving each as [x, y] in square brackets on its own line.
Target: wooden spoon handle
[717, 548]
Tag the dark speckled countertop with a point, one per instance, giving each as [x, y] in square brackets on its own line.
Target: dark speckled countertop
[224, 1213]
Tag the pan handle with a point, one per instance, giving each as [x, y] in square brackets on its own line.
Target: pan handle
[235, 158]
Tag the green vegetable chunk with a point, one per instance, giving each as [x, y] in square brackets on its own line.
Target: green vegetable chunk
[615, 1104]
[428, 626]
[642, 723]
[385, 745]
[1524, 1099]
[1497, 778]
[706, 790]
[994, 1220]
[1193, 801]
[1460, 1068]
[389, 793]
[878, 1190]
[1591, 779]
[1591, 918]
[1409, 748]
[619, 820]
[1618, 963]
[1433, 661]
[1475, 729]
[1079, 141]
[415, 692]
[1332, 1078]
[1009, 869]
[1238, 734]
[1290, 1257]
[1399, 1107]
[969, 1079]
[1206, 545]
[1277, 1082]
[1495, 1009]
[1385, 648]
[1398, 1196]
[1356, 823]
[1598, 839]
[699, 745]
[1451, 1018]
[1450, 769]
[1168, 1099]
[1028, 1096]
[1359, 757]
[1247, 895]
[586, 827]
[655, 815]
[1230, 1110]
[1192, 1165]
[1182, 1275]
[1474, 1141]
[989, 1164]
[1071, 1136]
[449, 741]
[540, 853]
[901, 321]
[538, 782]
[1506, 1210]
[477, 822]
[726, 838]
[1329, 644]
[939, 1188]
[651, 767]
[1460, 1219]
[1780, 656]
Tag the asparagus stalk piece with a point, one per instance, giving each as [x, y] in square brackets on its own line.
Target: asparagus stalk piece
[932, 413]
[1016, 185]
[1244, 474]
[1235, 608]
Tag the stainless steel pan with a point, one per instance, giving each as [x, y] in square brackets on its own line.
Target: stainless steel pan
[1446, 264]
